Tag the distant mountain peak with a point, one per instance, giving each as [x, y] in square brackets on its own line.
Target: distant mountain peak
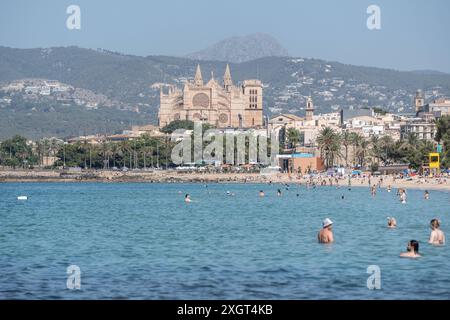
[242, 48]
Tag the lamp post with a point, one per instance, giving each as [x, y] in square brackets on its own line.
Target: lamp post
[64, 155]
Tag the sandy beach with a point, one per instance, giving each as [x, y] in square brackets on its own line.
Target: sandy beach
[171, 176]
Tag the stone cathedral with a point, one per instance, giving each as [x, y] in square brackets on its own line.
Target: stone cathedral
[223, 105]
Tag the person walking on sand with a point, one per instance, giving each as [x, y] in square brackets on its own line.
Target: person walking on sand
[412, 250]
[437, 236]
[326, 234]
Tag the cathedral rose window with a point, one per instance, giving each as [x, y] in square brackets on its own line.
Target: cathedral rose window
[201, 100]
[223, 118]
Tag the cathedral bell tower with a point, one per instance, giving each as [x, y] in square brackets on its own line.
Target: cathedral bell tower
[309, 109]
[227, 81]
[198, 80]
[419, 101]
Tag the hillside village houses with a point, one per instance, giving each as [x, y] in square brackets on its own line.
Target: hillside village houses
[34, 89]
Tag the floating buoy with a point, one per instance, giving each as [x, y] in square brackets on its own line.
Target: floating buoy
[22, 198]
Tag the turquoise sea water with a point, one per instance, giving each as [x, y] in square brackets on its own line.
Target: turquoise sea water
[141, 241]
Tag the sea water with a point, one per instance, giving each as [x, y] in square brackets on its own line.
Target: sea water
[142, 241]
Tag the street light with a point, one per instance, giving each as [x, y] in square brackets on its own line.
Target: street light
[64, 155]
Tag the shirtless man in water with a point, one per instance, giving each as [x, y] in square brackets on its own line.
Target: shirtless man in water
[326, 234]
[437, 237]
[412, 250]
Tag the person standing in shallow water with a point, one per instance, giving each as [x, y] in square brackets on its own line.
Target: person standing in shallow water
[187, 198]
[373, 191]
[426, 195]
[437, 236]
[412, 250]
[402, 195]
[261, 193]
[326, 234]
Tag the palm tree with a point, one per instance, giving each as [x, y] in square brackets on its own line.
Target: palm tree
[293, 136]
[360, 145]
[386, 144]
[375, 147]
[329, 143]
[346, 138]
[124, 151]
[115, 149]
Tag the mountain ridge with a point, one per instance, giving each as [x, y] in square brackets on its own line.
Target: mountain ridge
[241, 49]
[130, 84]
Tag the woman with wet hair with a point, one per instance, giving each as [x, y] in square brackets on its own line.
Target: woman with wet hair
[437, 236]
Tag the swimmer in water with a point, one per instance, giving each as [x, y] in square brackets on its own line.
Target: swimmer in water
[261, 193]
[412, 250]
[326, 234]
[437, 236]
[187, 198]
[389, 188]
[427, 195]
[279, 192]
[392, 223]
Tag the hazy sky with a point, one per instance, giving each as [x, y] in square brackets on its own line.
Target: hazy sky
[414, 33]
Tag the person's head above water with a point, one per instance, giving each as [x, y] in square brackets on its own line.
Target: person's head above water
[327, 223]
[413, 245]
[435, 224]
[187, 195]
[392, 222]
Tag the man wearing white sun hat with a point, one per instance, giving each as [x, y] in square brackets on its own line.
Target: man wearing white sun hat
[326, 234]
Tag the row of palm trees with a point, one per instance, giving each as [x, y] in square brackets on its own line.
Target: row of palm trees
[353, 149]
[143, 152]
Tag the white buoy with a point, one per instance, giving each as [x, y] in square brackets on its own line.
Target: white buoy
[22, 198]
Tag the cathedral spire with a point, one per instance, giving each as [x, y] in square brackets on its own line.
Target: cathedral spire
[309, 109]
[198, 77]
[227, 81]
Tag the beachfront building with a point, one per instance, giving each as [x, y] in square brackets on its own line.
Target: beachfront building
[423, 130]
[223, 105]
[300, 163]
